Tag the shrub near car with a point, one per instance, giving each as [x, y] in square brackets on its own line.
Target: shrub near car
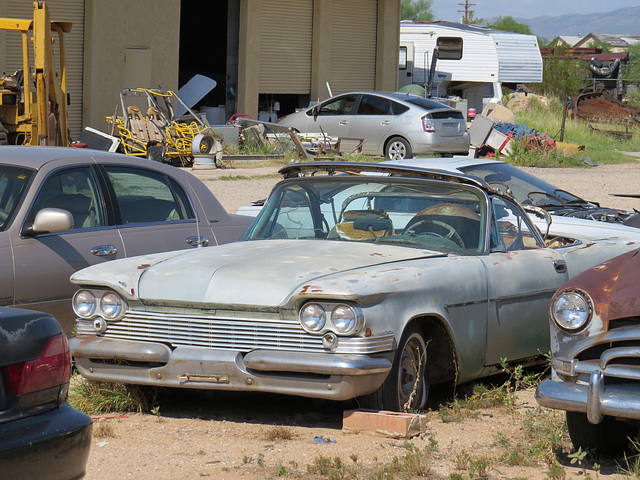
[62, 209]
[394, 125]
[41, 435]
[355, 280]
[595, 346]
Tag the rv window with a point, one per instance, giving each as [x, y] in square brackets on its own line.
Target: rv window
[449, 48]
[403, 58]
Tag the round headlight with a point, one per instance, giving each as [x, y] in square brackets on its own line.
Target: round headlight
[312, 317]
[571, 310]
[344, 319]
[84, 303]
[110, 305]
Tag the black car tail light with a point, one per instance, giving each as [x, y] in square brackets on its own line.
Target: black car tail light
[51, 369]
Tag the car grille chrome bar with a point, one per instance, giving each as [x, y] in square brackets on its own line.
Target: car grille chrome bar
[232, 333]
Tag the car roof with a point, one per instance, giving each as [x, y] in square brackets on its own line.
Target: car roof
[294, 170]
[36, 157]
[402, 97]
[444, 163]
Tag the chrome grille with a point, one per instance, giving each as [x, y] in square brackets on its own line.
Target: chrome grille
[230, 333]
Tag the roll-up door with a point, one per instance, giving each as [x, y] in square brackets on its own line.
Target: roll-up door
[61, 11]
[353, 45]
[286, 31]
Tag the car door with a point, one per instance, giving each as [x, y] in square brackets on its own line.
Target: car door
[153, 212]
[522, 277]
[43, 263]
[334, 116]
[373, 121]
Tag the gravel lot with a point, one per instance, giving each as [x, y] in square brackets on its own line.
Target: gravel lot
[229, 436]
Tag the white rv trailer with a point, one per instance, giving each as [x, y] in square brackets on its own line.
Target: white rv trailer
[472, 61]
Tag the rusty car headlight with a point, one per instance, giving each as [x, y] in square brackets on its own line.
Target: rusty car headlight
[84, 303]
[339, 318]
[345, 319]
[571, 310]
[313, 317]
[111, 305]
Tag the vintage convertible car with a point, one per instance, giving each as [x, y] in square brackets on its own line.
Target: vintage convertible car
[355, 280]
[595, 345]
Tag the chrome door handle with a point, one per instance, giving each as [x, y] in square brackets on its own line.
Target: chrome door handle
[103, 250]
[343, 122]
[560, 266]
[196, 241]
[385, 122]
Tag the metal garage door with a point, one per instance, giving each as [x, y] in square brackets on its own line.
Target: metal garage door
[286, 32]
[353, 45]
[63, 11]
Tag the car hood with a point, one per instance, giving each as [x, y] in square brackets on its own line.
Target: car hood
[266, 272]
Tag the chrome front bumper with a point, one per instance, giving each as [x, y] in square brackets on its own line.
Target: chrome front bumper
[316, 375]
[595, 399]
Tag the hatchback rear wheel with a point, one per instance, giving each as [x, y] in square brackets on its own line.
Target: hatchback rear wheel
[398, 149]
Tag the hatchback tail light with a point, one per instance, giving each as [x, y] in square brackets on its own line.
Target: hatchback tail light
[51, 369]
[428, 124]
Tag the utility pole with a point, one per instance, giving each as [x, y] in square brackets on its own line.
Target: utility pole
[468, 14]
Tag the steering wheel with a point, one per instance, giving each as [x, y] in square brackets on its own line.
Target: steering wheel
[449, 232]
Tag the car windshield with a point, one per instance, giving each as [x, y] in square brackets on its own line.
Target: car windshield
[526, 188]
[13, 182]
[415, 213]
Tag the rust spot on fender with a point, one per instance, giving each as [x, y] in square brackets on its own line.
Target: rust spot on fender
[310, 289]
[133, 292]
[144, 266]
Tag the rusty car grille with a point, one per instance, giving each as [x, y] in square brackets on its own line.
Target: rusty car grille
[232, 333]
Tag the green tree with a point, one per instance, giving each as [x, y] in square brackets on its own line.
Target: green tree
[508, 24]
[416, 10]
[562, 76]
[632, 76]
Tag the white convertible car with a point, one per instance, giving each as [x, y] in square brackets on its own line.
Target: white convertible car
[355, 280]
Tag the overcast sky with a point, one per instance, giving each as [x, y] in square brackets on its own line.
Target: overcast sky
[448, 9]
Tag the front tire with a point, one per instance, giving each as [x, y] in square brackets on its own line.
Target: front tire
[406, 388]
[609, 437]
[398, 149]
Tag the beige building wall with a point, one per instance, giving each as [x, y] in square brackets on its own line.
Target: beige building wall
[127, 42]
[386, 61]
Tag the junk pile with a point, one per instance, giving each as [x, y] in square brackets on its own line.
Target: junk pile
[495, 132]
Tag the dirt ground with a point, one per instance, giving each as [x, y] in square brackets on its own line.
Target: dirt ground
[229, 435]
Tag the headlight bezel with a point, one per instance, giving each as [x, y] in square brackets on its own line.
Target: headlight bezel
[572, 296]
[100, 309]
[330, 322]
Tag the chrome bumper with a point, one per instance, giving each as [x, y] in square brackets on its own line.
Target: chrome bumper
[595, 399]
[316, 375]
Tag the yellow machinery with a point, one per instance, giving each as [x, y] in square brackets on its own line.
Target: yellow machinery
[149, 127]
[36, 116]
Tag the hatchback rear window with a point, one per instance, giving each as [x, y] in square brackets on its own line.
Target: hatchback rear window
[447, 114]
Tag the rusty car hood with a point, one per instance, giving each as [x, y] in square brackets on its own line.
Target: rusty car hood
[269, 269]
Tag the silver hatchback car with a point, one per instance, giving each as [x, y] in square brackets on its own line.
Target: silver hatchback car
[396, 125]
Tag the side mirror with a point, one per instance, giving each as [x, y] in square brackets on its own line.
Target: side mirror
[50, 220]
[315, 111]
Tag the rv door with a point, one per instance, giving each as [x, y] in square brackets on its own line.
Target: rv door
[405, 64]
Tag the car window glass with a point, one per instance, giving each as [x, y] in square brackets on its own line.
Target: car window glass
[13, 182]
[374, 105]
[144, 196]
[339, 106]
[75, 190]
[511, 229]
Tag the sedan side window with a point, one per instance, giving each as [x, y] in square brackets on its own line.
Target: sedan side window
[75, 190]
[373, 105]
[144, 196]
[339, 106]
[510, 228]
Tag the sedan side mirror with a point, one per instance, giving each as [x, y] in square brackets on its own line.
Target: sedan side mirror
[50, 220]
[315, 111]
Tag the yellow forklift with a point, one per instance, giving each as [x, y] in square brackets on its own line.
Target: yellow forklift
[33, 100]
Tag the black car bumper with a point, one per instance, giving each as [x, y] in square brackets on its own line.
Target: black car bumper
[52, 445]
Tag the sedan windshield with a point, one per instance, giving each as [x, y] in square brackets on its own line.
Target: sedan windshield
[526, 188]
[13, 182]
[423, 214]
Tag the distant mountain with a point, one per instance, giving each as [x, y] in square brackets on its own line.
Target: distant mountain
[623, 20]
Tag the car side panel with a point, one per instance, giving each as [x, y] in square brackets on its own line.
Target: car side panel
[6, 267]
